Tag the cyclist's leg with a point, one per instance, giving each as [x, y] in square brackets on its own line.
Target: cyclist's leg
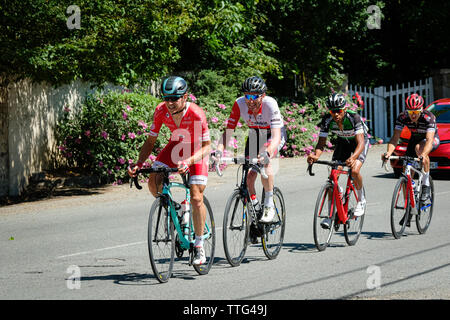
[426, 165]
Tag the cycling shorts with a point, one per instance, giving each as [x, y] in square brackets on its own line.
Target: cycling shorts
[345, 148]
[413, 142]
[173, 152]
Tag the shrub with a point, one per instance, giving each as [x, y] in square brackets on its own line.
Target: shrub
[106, 135]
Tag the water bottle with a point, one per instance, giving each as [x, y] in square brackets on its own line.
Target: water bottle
[186, 213]
[255, 202]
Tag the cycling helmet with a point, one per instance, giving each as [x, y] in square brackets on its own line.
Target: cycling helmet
[173, 86]
[336, 101]
[414, 102]
[254, 84]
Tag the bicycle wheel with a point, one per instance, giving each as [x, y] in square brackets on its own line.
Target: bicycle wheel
[323, 235]
[161, 241]
[209, 243]
[425, 211]
[400, 208]
[353, 226]
[235, 229]
[272, 239]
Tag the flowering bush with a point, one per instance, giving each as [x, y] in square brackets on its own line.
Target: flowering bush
[106, 135]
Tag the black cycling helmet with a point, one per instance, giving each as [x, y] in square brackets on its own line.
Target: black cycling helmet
[254, 84]
[173, 86]
[336, 101]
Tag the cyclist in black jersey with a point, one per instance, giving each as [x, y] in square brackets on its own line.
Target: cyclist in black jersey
[351, 146]
[424, 136]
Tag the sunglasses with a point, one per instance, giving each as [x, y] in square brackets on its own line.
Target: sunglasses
[338, 111]
[252, 96]
[416, 112]
[171, 98]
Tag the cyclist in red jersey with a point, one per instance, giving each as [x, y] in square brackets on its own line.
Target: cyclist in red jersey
[188, 149]
[424, 136]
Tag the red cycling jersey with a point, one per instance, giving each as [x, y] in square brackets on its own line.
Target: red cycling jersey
[185, 139]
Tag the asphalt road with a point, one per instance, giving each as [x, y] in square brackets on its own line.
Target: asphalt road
[100, 239]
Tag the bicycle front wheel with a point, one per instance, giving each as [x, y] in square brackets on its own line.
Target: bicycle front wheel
[209, 241]
[353, 226]
[322, 233]
[235, 229]
[400, 208]
[272, 239]
[425, 211]
[161, 241]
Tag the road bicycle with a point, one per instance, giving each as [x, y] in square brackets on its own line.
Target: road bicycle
[406, 201]
[338, 207]
[241, 219]
[167, 235]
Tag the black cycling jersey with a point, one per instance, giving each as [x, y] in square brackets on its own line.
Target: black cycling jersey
[419, 129]
[352, 125]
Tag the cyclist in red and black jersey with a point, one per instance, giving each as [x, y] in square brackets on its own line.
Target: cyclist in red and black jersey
[424, 136]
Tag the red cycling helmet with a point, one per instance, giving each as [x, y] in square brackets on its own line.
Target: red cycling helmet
[414, 102]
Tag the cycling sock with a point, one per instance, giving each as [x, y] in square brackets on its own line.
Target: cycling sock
[268, 200]
[426, 180]
[198, 241]
[360, 194]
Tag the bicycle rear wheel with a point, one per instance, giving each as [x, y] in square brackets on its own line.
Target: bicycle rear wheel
[235, 228]
[161, 241]
[209, 243]
[353, 226]
[425, 211]
[400, 208]
[272, 239]
[324, 200]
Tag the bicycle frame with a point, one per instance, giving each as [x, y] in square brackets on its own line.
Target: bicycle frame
[342, 207]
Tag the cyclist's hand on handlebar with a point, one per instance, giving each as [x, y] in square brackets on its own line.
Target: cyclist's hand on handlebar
[264, 158]
[183, 167]
[133, 169]
[217, 155]
[312, 158]
[385, 156]
[350, 162]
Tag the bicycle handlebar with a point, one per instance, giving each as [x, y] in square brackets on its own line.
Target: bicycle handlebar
[334, 163]
[240, 160]
[164, 170]
[407, 158]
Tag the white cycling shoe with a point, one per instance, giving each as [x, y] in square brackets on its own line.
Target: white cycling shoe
[268, 214]
[200, 257]
[360, 208]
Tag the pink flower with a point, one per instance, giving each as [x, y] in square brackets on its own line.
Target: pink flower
[239, 124]
[121, 160]
[222, 106]
[302, 111]
[123, 137]
[152, 157]
[87, 133]
[304, 129]
[192, 97]
[124, 115]
[142, 124]
[289, 112]
[129, 108]
[104, 134]
[88, 152]
[66, 109]
[294, 146]
[100, 164]
[131, 135]
[77, 141]
[214, 119]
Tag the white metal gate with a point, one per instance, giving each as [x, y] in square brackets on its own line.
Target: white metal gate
[383, 104]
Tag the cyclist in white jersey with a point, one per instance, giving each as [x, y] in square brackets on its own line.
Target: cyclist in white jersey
[267, 136]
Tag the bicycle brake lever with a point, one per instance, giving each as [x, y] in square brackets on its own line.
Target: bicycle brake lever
[310, 170]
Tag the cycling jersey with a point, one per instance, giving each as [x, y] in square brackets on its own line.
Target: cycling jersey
[268, 117]
[351, 126]
[425, 123]
[185, 139]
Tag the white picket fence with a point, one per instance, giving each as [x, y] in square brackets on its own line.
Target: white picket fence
[383, 104]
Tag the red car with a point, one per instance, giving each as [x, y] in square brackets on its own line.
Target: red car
[441, 156]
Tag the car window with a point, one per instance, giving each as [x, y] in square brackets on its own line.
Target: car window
[441, 112]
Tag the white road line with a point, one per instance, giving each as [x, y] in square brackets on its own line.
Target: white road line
[102, 249]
